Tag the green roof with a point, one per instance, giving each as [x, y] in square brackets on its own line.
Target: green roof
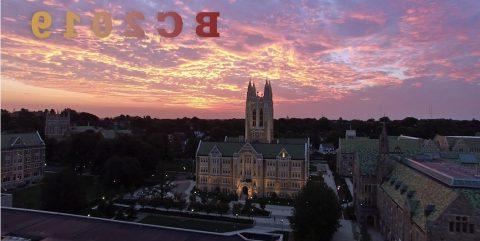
[473, 195]
[367, 161]
[268, 150]
[351, 145]
[426, 192]
[366, 149]
[18, 140]
[395, 143]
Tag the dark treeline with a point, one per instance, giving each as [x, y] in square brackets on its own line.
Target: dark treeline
[157, 146]
[319, 130]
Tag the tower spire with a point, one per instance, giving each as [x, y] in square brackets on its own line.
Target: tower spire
[383, 140]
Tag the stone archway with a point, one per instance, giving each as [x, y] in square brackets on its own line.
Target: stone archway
[245, 190]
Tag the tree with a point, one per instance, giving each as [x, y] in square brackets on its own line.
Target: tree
[316, 213]
[131, 212]
[263, 203]
[237, 208]
[222, 207]
[82, 148]
[63, 192]
[105, 209]
[122, 173]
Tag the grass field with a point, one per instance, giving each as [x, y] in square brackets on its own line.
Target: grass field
[193, 223]
[30, 197]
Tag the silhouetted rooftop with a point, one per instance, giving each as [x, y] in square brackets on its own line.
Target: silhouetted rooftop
[42, 225]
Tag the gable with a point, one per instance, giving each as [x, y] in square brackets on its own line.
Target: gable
[283, 154]
[215, 152]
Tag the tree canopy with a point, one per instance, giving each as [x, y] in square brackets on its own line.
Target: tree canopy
[316, 213]
[63, 192]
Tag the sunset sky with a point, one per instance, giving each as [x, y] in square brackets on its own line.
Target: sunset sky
[350, 59]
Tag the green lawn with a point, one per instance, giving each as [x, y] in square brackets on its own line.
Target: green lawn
[193, 223]
[30, 197]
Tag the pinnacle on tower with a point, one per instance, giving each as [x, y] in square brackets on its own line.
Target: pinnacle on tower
[383, 140]
[267, 92]
[251, 92]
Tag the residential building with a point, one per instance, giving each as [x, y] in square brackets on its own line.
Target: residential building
[257, 164]
[23, 159]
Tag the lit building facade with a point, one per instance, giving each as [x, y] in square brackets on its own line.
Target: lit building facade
[257, 164]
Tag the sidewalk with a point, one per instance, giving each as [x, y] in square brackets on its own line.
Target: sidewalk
[344, 232]
[328, 177]
[350, 185]
[272, 221]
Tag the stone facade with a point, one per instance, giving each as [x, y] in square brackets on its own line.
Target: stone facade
[23, 159]
[428, 199]
[257, 164]
[259, 114]
[248, 171]
[56, 125]
[436, 213]
[463, 144]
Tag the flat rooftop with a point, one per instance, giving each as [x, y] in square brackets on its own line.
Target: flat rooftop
[448, 172]
[41, 225]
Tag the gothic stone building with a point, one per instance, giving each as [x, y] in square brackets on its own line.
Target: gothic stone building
[416, 197]
[352, 146]
[23, 159]
[257, 164]
[56, 125]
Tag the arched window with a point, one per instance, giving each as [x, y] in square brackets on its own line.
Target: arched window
[261, 117]
[254, 117]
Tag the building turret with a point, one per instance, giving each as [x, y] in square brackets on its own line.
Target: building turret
[383, 155]
[259, 114]
[383, 141]
[267, 92]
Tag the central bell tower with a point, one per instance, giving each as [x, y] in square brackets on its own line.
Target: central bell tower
[259, 114]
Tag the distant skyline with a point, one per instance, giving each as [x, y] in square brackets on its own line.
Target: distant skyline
[349, 59]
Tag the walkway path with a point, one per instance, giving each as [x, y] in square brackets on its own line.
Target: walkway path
[376, 236]
[274, 221]
[328, 177]
[350, 185]
[344, 232]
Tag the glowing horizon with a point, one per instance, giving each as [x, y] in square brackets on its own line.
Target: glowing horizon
[335, 59]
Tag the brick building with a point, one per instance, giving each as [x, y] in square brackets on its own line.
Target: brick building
[23, 159]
